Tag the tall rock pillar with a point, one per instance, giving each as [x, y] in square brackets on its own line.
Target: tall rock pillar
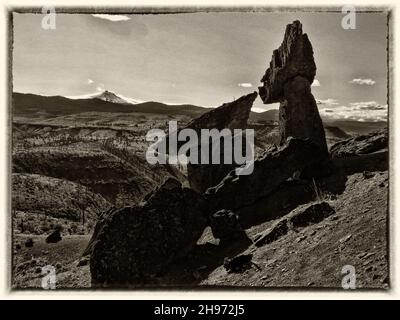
[288, 81]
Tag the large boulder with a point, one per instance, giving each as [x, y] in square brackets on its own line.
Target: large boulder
[288, 81]
[54, 237]
[238, 192]
[225, 226]
[134, 244]
[231, 115]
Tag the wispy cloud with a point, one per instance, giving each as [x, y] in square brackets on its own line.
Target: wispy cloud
[361, 82]
[90, 81]
[369, 111]
[112, 17]
[316, 83]
[100, 87]
[329, 101]
[368, 105]
[245, 85]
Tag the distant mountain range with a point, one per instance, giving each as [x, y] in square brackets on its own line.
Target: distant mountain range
[108, 101]
[25, 104]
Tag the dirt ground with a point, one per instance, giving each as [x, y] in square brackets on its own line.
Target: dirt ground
[312, 256]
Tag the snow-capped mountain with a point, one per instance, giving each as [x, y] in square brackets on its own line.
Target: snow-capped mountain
[108, 96]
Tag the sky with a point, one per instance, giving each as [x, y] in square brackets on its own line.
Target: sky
[204, 59]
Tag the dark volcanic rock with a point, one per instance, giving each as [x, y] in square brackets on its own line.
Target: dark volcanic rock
[286, 197]
[376, 161]
[54, 237]
[288, 81]
[134, 244]
[301, 217]
[225, 225]
[238, 264]
[298, 114]
[312, 214]
[97, 228]
[294, 57]
[363, 153]
[364, 144]
[236, 192]
[272, 234]
[29, 243]
[232, 115]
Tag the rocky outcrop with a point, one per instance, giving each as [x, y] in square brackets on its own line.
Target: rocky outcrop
[361, 145]
[133, 245]
[272, 234]
[238, 264]
[363, 153]
[238, 192]
[299, 218]
[225, 226]
[232, 115]
[54, 237]
[310, 215]
[288, 81]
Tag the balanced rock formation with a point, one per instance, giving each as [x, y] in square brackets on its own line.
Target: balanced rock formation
[133, 245]
[232, 115]
[288, 81]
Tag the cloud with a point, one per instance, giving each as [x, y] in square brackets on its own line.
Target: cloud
[369, 111]
[90, 81]
[100, 87]
[245, 85]
[316, 83]
[112, 17]
[368, 105]
[361, 82]
[329, 101]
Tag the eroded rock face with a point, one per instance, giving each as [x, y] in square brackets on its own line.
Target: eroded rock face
[363, 153]
[302, 217]
[361, 145]
[272, 234]
[238, 192]
[134, 244]
[294, 57]
[288, 81]
[298, 114]
[312, 214]
[232, 115]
